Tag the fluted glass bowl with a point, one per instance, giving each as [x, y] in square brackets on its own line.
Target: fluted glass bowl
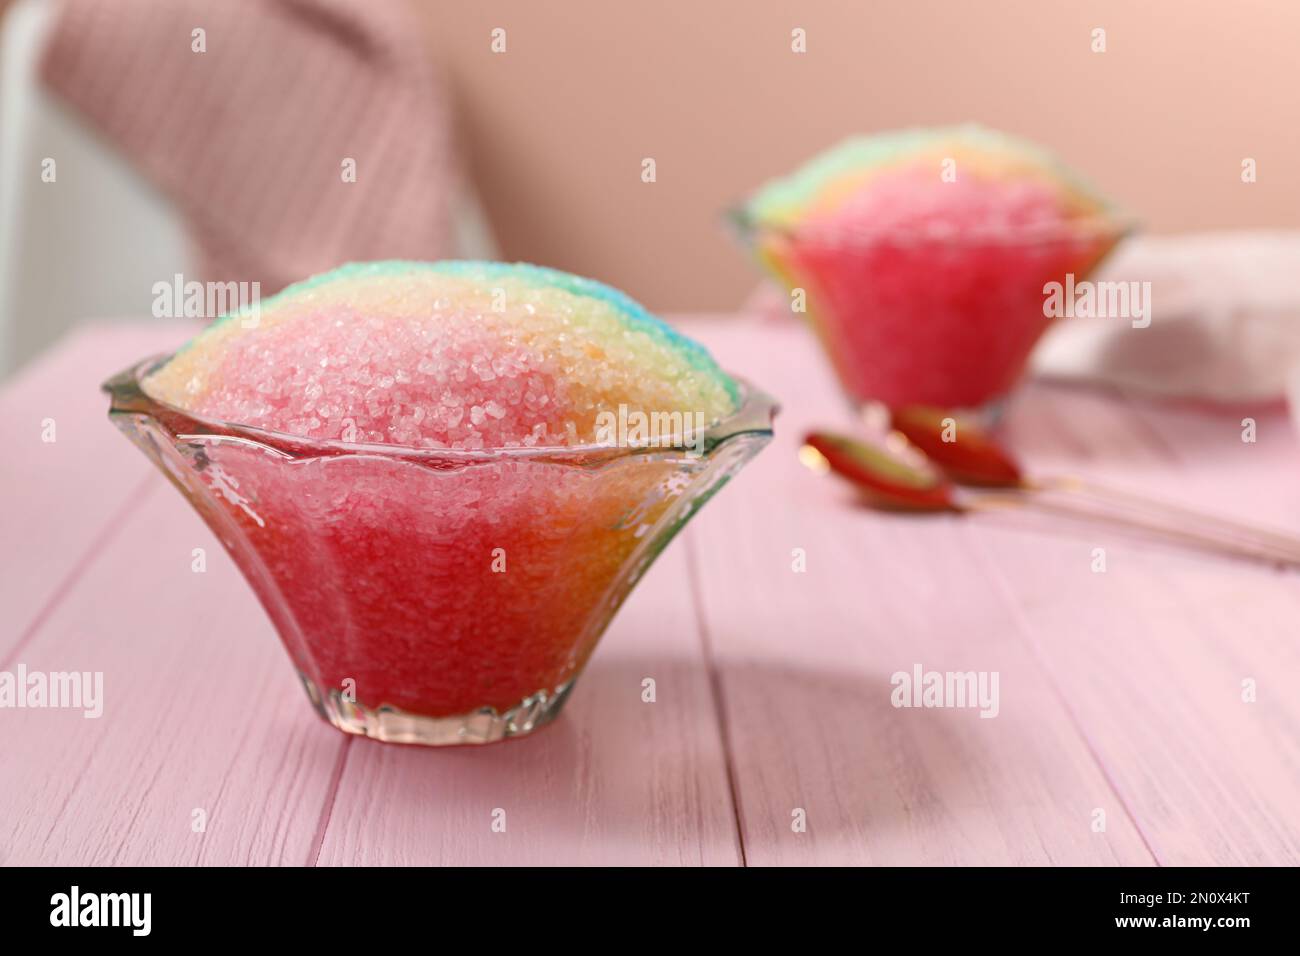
[436, 596]
[928, 317]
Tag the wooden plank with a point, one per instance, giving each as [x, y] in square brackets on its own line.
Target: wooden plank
[201, 710]
[1153, 652]
[1118, 691]
[805, 663]
[614, 781]
[73, 491]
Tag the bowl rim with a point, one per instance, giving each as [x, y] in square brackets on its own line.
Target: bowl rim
[753, 415]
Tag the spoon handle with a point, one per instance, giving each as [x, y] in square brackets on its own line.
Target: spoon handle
[1213, 539]
[1175, 512]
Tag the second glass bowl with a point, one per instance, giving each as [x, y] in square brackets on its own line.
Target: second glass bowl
[946, 319]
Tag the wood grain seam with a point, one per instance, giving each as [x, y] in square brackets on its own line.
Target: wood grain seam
[64, 588]
[1007, 596]
[125, 841]
[327, 805]
[1163, 447]
[715, 689]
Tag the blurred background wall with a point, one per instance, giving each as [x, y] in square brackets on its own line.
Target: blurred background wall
[558, 125]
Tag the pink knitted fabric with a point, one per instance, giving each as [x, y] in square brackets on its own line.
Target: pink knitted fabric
[249, 138]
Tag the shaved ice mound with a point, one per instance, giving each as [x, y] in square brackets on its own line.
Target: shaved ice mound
[465, 355]
[404, 460]
[906, 202]
[923, 255]
[977, 158]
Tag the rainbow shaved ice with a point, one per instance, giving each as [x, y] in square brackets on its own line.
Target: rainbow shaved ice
[464, 355]
[456, 565]
[923, 254]
[982, 159]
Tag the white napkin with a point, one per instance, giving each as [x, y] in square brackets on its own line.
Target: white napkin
[1225, 320]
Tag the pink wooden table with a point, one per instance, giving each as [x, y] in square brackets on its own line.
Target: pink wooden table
[1120, 692]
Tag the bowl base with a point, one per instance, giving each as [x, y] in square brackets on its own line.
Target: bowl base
[395, 726]
[875, 414]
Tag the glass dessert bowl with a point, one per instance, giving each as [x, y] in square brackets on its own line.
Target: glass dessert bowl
[924, 257]
[436, 596]
[929, 317]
